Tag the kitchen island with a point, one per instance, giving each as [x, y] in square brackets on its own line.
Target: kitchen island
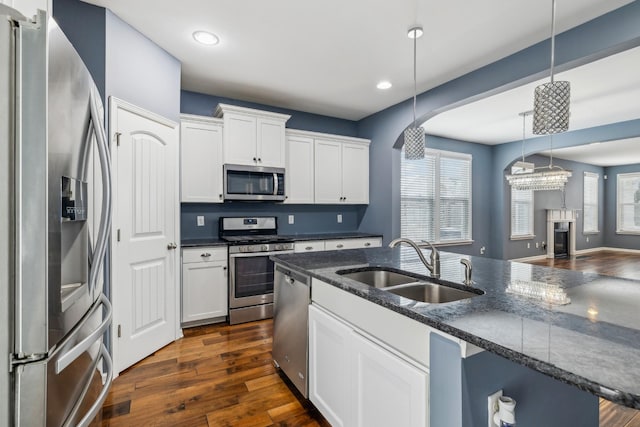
[592, 343]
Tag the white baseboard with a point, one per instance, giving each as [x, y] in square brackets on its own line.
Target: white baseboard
[631, 251]
[530, 258]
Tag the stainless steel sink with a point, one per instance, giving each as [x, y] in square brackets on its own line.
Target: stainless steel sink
[431, 293]
[378, 278]
[428, 290]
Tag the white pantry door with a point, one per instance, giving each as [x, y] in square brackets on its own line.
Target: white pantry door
[145, 231]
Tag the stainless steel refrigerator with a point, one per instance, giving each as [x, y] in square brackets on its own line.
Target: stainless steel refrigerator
[54, 227]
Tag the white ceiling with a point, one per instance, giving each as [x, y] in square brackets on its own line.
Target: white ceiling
[325, 57]
[610, 153]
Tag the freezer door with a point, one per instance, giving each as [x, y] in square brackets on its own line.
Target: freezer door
[68, 388]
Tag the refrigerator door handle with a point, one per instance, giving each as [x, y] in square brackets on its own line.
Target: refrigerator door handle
[67, 358]
[105, 163]
[97, 405]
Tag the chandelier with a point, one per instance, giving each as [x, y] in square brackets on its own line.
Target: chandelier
[525, 177]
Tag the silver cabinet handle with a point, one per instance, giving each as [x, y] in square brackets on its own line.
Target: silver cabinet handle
[205, 255]
[308, 248]
[367, 244]
[171, 246]
[339, 246]
[259, 160]
[220, 196]
[255, 159]
[224, 268]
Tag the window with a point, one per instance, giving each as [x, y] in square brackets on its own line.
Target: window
[435, 197]
[590, 205]
[521, 214]
[628, 203]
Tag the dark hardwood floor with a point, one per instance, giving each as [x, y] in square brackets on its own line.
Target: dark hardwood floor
[610, 263]
[216, 375]
[223, 375]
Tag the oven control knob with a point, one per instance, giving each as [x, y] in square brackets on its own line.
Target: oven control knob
[278, 247]
[265, 247]
[243, 249]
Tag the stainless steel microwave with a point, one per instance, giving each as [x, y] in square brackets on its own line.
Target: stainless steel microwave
[253, 183]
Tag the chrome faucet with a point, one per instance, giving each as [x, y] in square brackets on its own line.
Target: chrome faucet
[467, 272]
[434, 266]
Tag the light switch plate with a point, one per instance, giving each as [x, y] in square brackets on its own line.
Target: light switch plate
[200, 220]
[291, 219]
[339, 218]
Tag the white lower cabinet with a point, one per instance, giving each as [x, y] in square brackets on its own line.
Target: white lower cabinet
[204, 284]
[337, 244]
[354, 381]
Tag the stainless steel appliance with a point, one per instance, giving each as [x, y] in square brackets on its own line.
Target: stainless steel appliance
[253, 183]
[292, 294]
[252, 241]
[59, 370]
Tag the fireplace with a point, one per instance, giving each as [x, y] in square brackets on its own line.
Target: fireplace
[561, 233]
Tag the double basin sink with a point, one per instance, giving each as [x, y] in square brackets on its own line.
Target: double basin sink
[429, 290]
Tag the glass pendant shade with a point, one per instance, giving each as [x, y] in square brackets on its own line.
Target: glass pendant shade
[551, 108]
[540, 181]
[414, 143]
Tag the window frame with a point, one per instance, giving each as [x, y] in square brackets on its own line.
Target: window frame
[595, 206]
[530, 232]
[619, 209]
[437, 201]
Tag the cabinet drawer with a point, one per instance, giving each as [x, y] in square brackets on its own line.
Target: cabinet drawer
[337, 244]
[309, 246]
[204, 254]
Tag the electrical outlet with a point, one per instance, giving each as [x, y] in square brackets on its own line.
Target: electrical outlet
[482, 249]
[291, 219]
[339, 218]
[587, 240]
[528, 245]
[537, 245]
[200, 220]
[492, 407]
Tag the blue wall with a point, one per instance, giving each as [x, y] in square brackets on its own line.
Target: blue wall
[613, 240]
[307, 218]
[84, 25]
[459, 390]
[205, 105]
[608, 34]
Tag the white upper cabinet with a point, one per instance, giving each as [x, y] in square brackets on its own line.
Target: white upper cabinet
[200, 159]
[253, 137]
[298, 184]
[341, 171]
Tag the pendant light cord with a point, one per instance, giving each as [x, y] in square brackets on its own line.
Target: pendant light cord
[553, 35]
[524, 115]
[415, 40]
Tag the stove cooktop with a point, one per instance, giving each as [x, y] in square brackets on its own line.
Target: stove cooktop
[248, 239]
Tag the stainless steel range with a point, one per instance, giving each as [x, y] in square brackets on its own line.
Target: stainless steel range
[252, 240]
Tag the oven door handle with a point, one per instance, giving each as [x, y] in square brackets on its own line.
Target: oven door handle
[256, 254]
[275, 184]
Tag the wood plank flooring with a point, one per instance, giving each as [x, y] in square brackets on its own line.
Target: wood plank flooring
[610, 263]
[216, 375]
[221, 375]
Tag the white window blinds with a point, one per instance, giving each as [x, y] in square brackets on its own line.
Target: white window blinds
[435, 197]
[628, 203]
[590, 205]
[521, 213]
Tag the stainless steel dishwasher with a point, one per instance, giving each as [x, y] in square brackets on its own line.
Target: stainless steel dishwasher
[290, 322]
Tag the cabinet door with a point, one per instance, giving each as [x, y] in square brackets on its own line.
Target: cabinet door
[240, 139]
[200, 162]
[388, 391]
[270, 143]
[329, 373]
[328, 180]
[355, 173]
[204, 290]
[299, 174]
[309, 246]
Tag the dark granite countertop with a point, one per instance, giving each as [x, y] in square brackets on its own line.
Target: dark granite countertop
[592, 342]
[188, 243]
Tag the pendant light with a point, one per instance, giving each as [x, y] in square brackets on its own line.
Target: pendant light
[414, 135]
[551, 100]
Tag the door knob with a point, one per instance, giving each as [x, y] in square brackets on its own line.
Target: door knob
[171, 246]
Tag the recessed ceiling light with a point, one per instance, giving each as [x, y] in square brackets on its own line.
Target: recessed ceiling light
[206, 37]
[385, 84]
[415, 32]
